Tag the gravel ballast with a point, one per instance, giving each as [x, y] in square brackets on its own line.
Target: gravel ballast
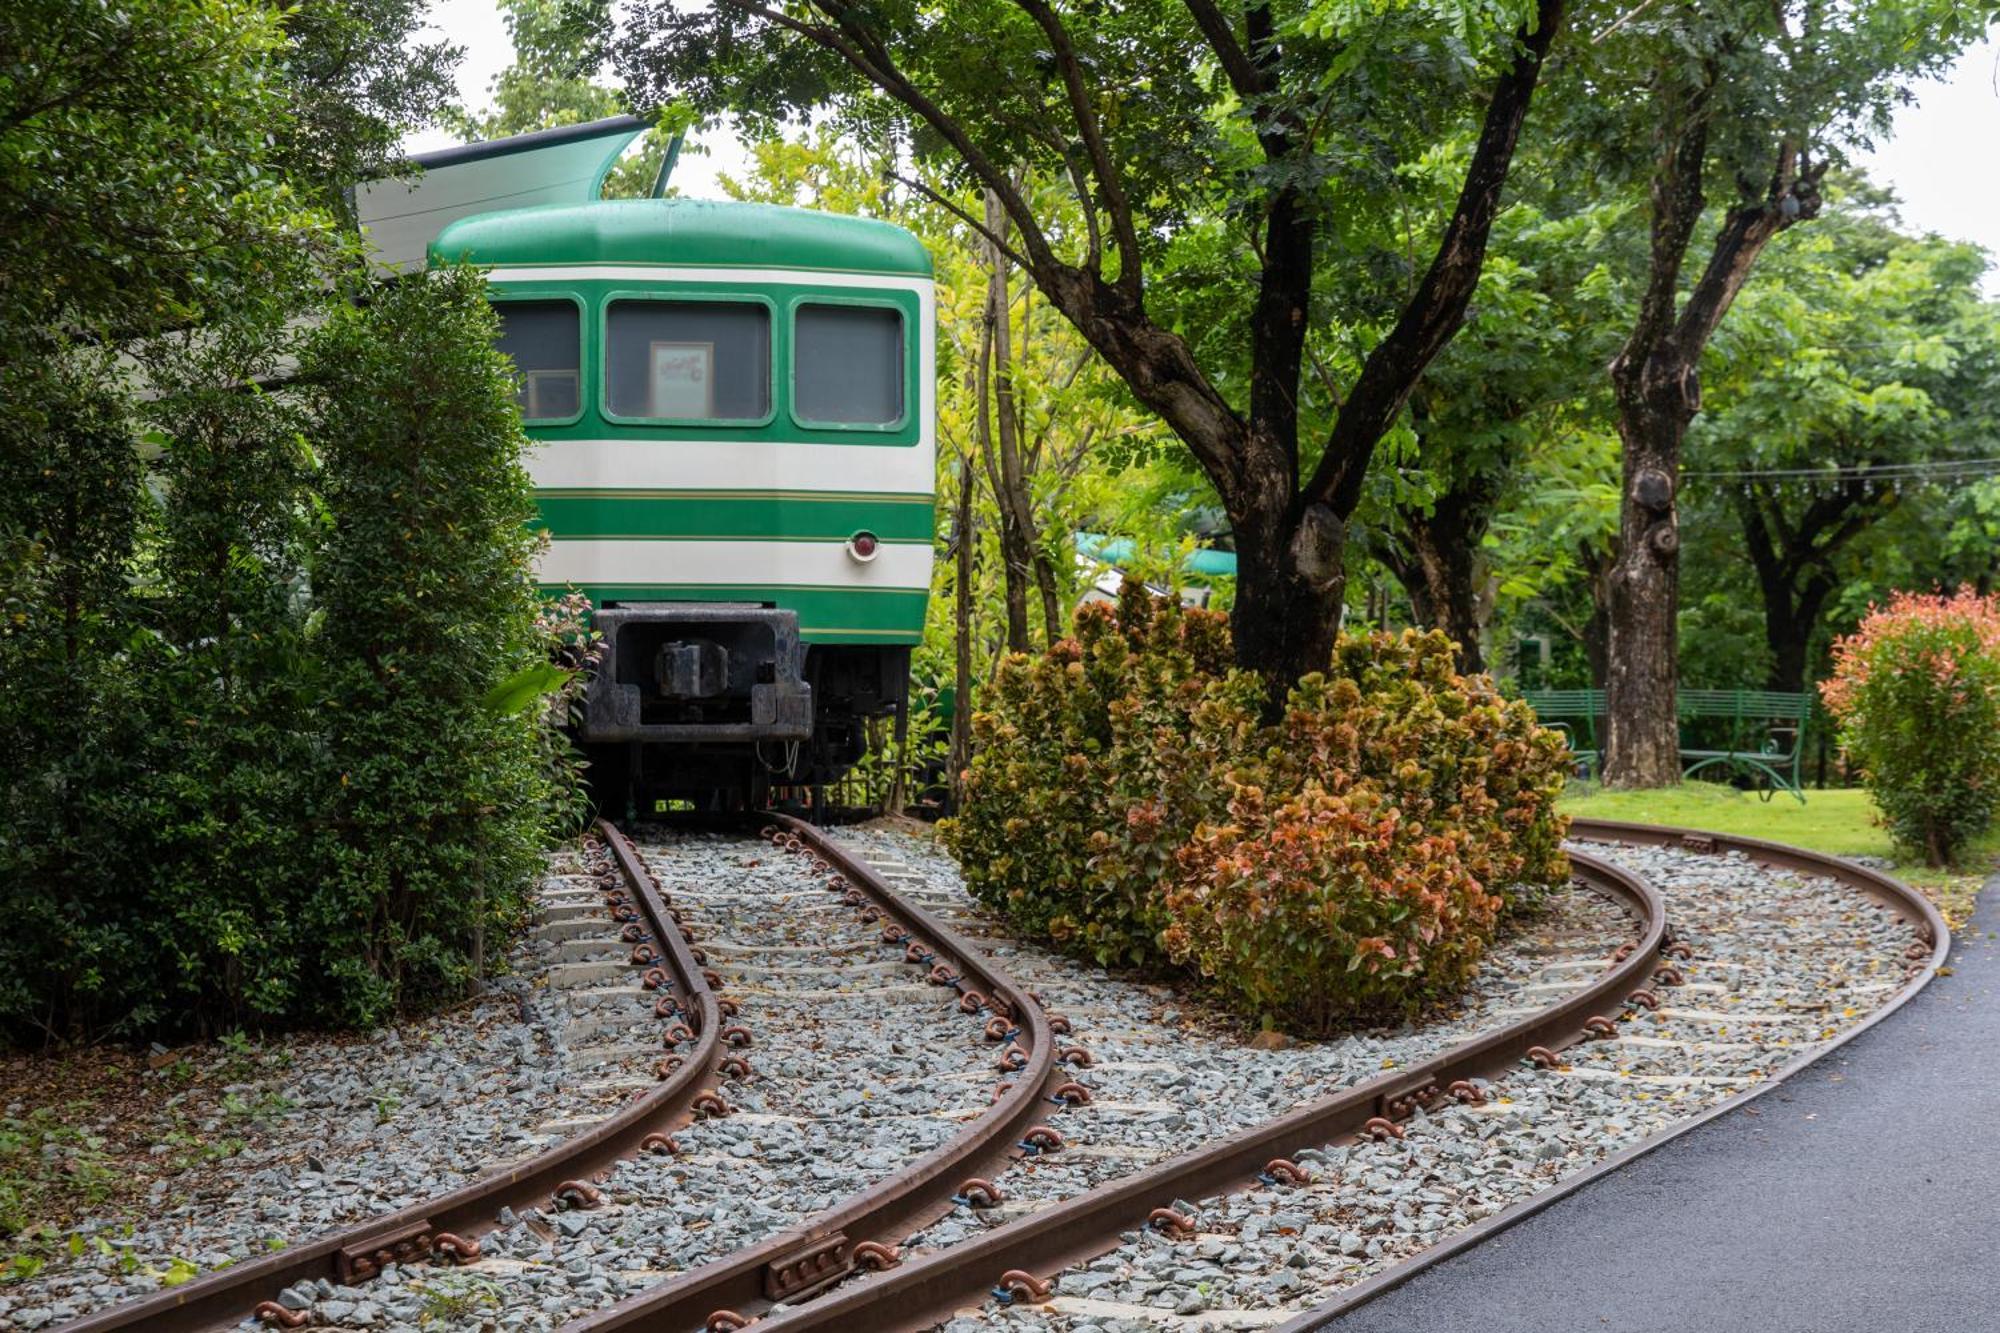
[1780, 964]
[353, 1128]
[857, 1069]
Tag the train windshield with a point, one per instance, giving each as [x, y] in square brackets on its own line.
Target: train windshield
[847, 365]
[688, 360]
[545, 340]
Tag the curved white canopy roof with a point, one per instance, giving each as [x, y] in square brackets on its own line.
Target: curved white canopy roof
[402, 215]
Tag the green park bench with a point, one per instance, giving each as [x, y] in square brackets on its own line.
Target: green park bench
[1759, 733]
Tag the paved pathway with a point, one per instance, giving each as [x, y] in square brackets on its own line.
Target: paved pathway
[1863, 1195]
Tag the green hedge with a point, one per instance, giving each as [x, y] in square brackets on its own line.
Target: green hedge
[257, 776]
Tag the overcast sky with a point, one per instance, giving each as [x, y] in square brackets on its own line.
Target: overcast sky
[1938, 159]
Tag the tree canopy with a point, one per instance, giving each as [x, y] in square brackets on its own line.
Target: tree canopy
[1278, 129]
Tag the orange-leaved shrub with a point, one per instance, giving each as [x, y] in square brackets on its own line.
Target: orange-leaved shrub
[1404, 808]
[1916, 691]
[1089, 774]
[1126, 802]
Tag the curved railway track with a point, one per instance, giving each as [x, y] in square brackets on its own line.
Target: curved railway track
[841, 1267]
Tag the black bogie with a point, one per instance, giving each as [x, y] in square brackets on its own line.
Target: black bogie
[718, 704]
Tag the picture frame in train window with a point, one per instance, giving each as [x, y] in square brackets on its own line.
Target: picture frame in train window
[686, 296]
[680, 381]
[909, 311]
[499, 298]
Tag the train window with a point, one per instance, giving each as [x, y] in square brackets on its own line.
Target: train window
[688, 360]
[847, 365]
[545, 339]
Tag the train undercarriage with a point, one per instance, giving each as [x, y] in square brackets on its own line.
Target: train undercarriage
[717, 705]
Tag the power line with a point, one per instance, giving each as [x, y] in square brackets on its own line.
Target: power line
[1958, 467]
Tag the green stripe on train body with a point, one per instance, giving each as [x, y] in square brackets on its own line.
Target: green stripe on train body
[718, 515]
[826, 615]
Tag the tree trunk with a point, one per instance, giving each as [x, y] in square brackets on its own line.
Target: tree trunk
[1054, 622]
[1004, 460]
[1642, 746]
[1794, 563]
[1656, 383]
[1290, 582]
[961, 641]
[1597, 630]
[1438, 565]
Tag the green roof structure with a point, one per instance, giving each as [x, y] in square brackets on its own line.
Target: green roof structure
[683, 232]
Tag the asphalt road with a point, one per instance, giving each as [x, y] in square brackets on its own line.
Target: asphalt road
[1862, 1195]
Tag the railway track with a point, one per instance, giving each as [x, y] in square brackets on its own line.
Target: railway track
[1055, 1192]
[446, 1227]
[1765, 972]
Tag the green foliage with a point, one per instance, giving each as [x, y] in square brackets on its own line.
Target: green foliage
[357, 76]
[1353, 859]
[1916, 690]
[435, 802]
[550, 82]
[131, 138]
[284, 694]
[1844, 393]
[70, 511]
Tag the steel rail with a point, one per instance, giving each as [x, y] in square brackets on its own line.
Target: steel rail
[449, 1224]
[923, 1291]
[1932, 934]
[861, 1229]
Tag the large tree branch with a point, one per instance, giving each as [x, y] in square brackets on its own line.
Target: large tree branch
[854, 42]
[1792, 195]
[1677, 204]
[1243, 74]
[962, 215]
[1156, 363]
[1438, 308]
[1101, 166]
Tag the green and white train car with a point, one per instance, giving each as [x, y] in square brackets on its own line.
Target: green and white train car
[733, 415]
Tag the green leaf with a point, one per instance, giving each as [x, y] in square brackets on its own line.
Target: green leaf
[520, 690]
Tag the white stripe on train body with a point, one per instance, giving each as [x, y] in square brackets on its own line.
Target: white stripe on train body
[748, 563]
[731, 465]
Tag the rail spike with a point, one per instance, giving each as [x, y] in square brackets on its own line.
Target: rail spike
[1284, 1171]
[876, 1257]
[454, 1247]
[1016, 1284]
[578, 1194]
[270, 1312]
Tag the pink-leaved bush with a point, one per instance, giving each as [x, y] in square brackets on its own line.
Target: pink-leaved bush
[1916, 693]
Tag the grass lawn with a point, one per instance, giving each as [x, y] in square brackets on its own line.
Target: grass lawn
[1841, 822]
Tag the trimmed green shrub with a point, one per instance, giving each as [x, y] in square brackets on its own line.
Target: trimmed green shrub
[71, 507]
[1126, 803]
[1916, 691]
[433, 807]
[279, 722]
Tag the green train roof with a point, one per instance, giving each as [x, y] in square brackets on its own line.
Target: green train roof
[683, 231]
